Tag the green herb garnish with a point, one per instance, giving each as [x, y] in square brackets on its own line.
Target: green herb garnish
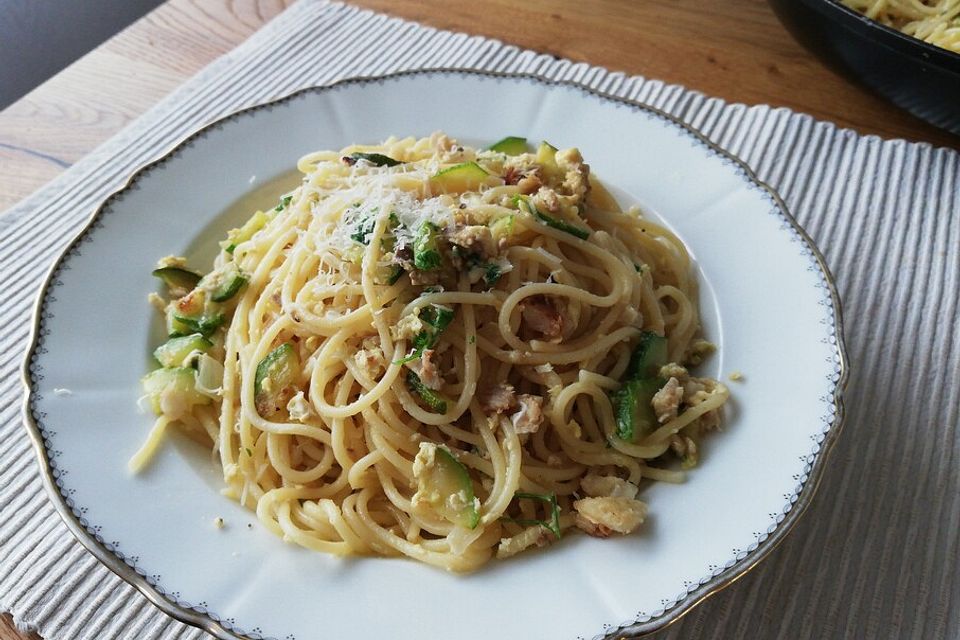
[553, 524]
[426, 251]
[491, 273]
[437, 319]
[376, 159]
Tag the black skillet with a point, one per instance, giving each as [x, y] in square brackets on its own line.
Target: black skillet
[921, 78]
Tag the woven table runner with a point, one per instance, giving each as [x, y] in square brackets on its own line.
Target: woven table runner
[877, 553]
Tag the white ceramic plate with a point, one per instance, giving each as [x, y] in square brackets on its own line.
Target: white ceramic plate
[767, 298]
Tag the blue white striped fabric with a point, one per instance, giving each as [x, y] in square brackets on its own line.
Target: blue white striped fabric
[875, 556]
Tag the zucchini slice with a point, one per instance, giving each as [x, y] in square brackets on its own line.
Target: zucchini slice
[179, 281]
[648, 357]
[434, 401]
[511, 145]
[633, 410]
[547, 154]
[389, 274]
[466, 176]
[553, 223]
[174, 351]
[632, 403]
[275, 375]
[173, 391]
[502, 227]
[547, 159]
[224, 283]
[444, 484]
[236, 236]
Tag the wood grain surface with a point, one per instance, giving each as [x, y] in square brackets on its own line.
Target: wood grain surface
[734, 49]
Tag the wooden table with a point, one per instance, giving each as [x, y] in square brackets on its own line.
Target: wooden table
[734, 49]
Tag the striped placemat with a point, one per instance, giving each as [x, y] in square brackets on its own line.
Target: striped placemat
[876, 556]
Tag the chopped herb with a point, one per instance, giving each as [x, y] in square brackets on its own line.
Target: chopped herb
[468, 259]
[472, 339]
[491, 273]
[249, 453]
[426, 252]
[363, 230]
[437, 318]
[553, 524]
[284, 201]
[376, 159]
[421, 342]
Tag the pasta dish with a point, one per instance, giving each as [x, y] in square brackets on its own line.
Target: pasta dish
[933, 21]
[438, 351]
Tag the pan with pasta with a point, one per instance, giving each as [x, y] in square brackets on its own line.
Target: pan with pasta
[933, 21]
[438, 351]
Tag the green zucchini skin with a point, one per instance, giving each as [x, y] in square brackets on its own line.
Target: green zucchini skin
[224, 283]
[633, 401]
[457, 479]
[229, 289]
[280, 368]
[237, 236]
[511, 145]
[174, 351]
[551, 222]
[434, 401]
[178, 279]
[633, 410]
[204, 324]
[179, 382]
[648, 357]
[466, 176]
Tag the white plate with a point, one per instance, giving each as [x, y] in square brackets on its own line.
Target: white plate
[768, 302]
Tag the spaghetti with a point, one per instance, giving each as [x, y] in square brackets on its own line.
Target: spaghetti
[933, 21]
[440, 352]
